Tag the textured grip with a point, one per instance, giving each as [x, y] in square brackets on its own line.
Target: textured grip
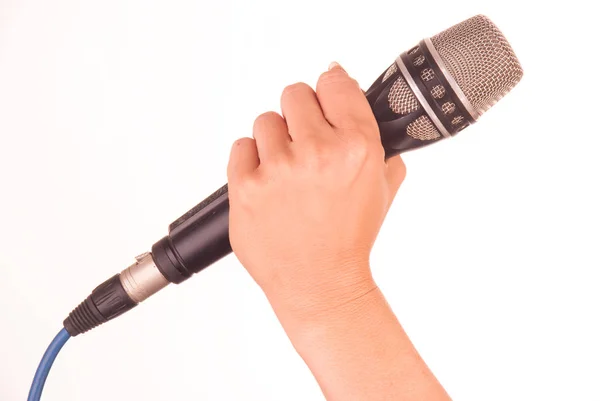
[224, 189]
[201, 236]
[106, 302]
[83, 318]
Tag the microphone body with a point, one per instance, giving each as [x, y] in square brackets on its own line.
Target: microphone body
[431, 92]
[195, 240]
[201, 236]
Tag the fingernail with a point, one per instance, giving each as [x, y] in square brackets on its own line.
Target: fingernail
[335, 64]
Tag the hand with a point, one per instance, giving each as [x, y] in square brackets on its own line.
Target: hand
[308, 196]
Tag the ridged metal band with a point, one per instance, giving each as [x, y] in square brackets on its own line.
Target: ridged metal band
[415, 89]
[142, 279]
[440, 63]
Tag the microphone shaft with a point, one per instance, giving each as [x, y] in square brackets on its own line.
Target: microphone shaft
[417, 101]
[196, 240]
[201, 236]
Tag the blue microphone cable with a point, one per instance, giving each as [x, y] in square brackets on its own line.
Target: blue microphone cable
[35, 392]
[110, 299]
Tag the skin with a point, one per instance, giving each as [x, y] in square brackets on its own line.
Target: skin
[308, 195]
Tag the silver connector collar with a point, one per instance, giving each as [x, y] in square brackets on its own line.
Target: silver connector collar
[142, 279]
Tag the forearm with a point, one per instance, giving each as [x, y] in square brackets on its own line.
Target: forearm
[307, 199]
[358, 351]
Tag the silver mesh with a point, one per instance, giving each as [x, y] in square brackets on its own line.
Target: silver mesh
[448, 108]
[419, 60]
[422, 128]
[427, 74]
[401, 99]
[389, 72]
[457, 120]
[438, 91]
[480, 60]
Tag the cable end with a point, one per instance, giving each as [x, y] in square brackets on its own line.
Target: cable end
[117, 295]
[106, 302]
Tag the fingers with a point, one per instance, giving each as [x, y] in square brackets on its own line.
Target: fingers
[344, 104]
[302, 112]
[307, 116]
[271, 135]
[243, 159]
[395, 173]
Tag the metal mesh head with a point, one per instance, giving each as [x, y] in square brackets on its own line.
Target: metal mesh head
[480, 60]
[401, 99]
[422, 128]
[389, 72]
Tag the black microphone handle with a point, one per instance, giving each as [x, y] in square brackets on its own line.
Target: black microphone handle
[195, 240]
[429, 106]
[201, 236]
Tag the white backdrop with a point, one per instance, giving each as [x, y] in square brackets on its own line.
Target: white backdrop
[117, 116]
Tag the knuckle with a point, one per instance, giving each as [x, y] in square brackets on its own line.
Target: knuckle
[362, 148]
[377, 152]
[336, 76]
[357, 125]
[317, 153]
[344, 122]
[278, 163]
[293, 88]
[241, 143]
[357, 154]
[268, 119]
[244, 190]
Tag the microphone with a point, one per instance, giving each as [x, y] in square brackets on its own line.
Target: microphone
[431, 92]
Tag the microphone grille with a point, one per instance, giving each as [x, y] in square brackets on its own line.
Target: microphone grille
[390, 71]
[480, 60]
[401, 99]
[422, 128]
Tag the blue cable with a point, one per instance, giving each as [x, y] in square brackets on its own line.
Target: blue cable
[35, 392]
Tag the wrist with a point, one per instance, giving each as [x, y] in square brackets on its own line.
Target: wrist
[358, 351]
[302, 305]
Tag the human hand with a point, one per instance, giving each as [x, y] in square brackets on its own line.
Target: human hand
[308, 196]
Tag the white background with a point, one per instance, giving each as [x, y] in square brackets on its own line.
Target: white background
[117, 116]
